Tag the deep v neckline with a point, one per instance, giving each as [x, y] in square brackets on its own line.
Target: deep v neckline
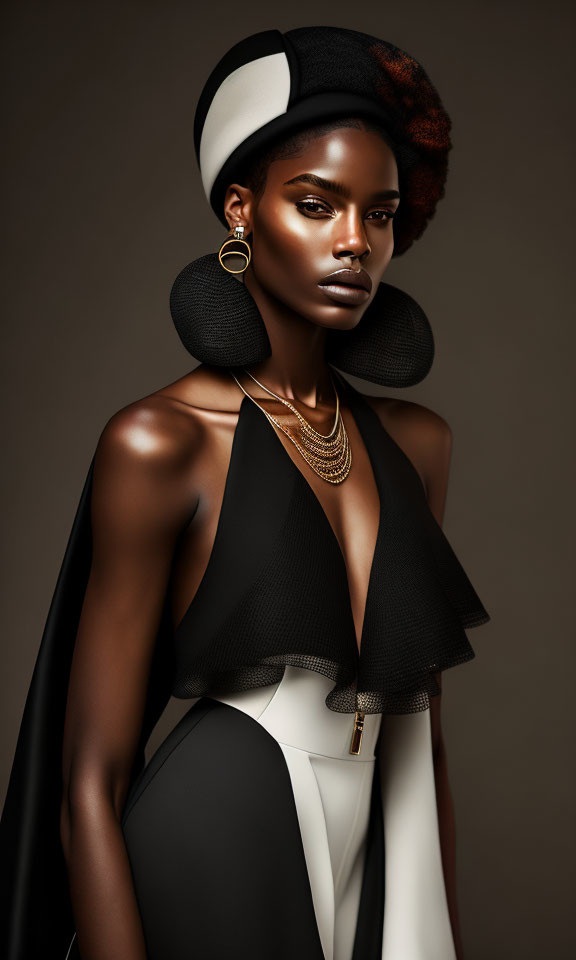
[363, 429]
[256, 441]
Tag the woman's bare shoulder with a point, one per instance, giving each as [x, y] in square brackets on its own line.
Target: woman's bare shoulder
[407, 416]
[169, 425]
[424, 435]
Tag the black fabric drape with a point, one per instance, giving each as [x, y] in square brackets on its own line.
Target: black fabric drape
[37, 918]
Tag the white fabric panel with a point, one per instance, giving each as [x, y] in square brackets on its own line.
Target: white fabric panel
[250, 97]
[416, 919]
[332, 791]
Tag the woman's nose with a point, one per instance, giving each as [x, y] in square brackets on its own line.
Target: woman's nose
[350, 239]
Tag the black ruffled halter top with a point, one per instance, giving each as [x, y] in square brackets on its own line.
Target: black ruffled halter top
[275, 591]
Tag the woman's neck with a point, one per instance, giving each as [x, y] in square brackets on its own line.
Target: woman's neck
[297, 368]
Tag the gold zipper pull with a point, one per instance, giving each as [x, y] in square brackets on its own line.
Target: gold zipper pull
[357, 732]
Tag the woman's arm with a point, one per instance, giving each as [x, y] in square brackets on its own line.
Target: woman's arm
[139, 505]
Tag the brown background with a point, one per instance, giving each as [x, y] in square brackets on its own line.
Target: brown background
[104, 207]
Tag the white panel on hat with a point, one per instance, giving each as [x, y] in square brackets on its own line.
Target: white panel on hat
[249, 97]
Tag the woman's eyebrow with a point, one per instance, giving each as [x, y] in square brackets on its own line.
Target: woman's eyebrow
[335, 187]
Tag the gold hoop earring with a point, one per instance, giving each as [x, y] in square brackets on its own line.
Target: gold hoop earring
[235, 251]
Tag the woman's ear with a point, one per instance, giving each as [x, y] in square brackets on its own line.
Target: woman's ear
[239, 206]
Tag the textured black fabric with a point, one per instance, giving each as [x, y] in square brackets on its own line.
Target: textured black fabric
[216, 317]
[219, 323]
[343, 61]
[275, 590]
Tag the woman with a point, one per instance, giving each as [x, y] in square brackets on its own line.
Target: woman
[263, 537]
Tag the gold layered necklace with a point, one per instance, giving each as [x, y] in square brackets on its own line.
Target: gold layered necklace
[329, 455]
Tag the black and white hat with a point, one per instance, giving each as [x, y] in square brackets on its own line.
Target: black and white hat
[271, 83]
[266, 88]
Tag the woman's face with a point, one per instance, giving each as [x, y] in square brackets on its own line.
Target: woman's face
[327, 209]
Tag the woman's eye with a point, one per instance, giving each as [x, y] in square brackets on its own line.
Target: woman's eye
[387, 215]
[307, 204]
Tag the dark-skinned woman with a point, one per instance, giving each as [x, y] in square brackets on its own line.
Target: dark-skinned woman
[264, 539]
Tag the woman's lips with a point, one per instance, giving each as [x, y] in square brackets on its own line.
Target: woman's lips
[341, 293]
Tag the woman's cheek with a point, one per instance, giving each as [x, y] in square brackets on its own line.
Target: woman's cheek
[282, 259]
